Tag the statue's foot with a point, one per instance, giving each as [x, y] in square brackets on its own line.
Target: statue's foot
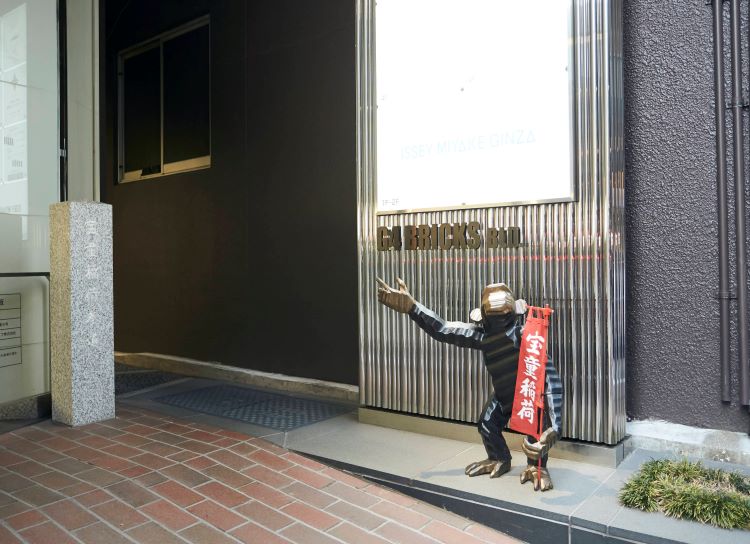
[492, 467]
[531, 472]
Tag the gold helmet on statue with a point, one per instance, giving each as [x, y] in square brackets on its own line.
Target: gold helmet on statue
[497, 300]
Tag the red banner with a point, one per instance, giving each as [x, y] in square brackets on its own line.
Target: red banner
[528, 402]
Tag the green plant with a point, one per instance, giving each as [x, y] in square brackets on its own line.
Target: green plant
[686, 490]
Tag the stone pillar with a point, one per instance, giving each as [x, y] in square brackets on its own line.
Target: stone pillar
[82, 327]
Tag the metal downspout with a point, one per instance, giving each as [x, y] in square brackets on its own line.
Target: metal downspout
[739, 179]
[721, 195]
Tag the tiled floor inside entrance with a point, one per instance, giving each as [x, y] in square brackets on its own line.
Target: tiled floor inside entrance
[148, 477]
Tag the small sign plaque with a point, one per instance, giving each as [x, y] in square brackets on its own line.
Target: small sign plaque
[5, 334]
[10, 356]
[10, 302]
[9, 323]
[10, 314]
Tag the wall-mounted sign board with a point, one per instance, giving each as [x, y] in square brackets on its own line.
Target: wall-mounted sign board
[474, 103]
[10, 330]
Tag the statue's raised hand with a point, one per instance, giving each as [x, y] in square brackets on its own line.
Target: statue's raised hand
[399, 300]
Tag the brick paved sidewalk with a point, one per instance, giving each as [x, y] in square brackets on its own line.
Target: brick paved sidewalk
[145, 477]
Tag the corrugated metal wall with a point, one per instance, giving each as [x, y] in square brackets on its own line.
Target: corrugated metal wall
[573, 261]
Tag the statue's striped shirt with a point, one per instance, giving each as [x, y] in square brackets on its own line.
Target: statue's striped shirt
[500, 350]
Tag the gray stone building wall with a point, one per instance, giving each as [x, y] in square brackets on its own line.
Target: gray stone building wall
[671, 218]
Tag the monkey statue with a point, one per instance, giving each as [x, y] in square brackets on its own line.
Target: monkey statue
[495, 331]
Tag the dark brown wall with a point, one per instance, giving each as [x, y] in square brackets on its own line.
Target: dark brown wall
[252, 262]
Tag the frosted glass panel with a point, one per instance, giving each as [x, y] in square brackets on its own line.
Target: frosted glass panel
[24, 243]
[29, 183]
[29, 163]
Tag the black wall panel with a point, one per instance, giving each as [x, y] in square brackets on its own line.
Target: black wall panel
[252, 262]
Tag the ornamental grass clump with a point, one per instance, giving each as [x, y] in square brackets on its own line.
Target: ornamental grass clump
[686, 490]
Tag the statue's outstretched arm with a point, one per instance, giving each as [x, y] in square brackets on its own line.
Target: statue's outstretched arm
[451, 332]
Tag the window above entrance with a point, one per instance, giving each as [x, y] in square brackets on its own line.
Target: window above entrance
[164, 104]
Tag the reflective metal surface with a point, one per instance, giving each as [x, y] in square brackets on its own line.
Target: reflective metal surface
[573, 260]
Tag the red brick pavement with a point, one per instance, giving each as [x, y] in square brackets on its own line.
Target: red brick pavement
[148, 478]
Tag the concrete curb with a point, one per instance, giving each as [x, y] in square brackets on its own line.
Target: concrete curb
[709, 444]
[33, 407]
[582, 452]
[217, 371]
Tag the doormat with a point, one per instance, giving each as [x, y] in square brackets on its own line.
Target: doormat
[279, 412]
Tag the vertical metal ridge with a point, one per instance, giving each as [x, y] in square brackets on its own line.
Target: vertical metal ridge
[573, 260]
[617, 221]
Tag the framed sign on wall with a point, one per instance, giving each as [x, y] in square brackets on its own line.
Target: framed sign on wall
[475, 104]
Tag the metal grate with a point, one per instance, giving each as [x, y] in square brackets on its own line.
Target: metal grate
[280, 412]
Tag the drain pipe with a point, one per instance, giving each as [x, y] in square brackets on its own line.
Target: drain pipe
[739, 180]
[721, 195]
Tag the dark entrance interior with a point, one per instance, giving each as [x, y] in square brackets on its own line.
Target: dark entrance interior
[250, 262]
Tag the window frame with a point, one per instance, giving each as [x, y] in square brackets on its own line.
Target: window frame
[166, 169]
